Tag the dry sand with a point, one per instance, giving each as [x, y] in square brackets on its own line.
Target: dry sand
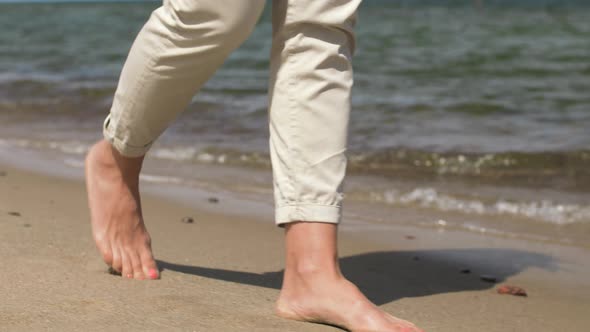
[223, 273]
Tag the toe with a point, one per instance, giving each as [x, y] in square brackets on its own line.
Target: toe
[106, 252]
[150, 269]
[127, 268]
[137, 268]
[117, 264]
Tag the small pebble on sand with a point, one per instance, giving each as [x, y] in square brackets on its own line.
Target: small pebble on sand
[410, 237]
[511, 290]
[213, 200]
[14, 213]
[27, 225]
[187, 220]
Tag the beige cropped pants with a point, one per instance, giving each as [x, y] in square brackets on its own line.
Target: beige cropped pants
[185, 41]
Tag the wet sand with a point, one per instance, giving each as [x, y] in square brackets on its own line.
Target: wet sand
[223, 273]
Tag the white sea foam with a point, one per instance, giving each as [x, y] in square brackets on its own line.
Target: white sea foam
[70, 147]
[161, 179]
[545, 210]
[77, 163]
[179, 154]
[67, 147]
[188, 154]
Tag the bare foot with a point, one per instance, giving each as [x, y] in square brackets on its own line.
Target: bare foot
[314, 290]
[335, 301]
[112, 182]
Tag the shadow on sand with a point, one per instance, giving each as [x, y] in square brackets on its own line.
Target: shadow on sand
[387, 276]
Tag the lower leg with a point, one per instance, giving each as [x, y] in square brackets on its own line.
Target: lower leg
[314, 289]
[115, 209]
[178, 49]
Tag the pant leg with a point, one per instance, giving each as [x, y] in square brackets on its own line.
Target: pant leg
[311, 81]
[180, 47]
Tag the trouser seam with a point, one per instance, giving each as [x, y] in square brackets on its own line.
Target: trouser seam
[291, 51]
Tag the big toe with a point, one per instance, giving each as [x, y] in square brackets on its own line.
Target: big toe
[149, 266]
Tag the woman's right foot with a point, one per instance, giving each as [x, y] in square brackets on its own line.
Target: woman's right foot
[314, 290]
[112, 182]
[335, 301]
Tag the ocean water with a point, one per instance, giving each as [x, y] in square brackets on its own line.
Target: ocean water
[474, 113]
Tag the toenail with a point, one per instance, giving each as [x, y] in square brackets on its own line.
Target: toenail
[129, 275]
[153, 274]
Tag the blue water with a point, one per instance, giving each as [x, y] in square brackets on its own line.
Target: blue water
[489, 93]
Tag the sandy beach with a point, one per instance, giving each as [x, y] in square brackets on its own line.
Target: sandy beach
[223, 273]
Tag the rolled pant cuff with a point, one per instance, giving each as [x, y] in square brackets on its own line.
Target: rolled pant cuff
[125, 149]
[308, 213]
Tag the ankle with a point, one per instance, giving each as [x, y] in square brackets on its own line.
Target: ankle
[107, 157]
[312, 271]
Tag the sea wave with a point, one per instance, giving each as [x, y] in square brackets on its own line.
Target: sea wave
[543, 210]
[567, 169]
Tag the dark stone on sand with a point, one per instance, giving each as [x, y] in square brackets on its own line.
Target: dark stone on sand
[187, 220]
[213, 200]
[410, 237]
[27, 225]
[511, 290]
[14, 213]
[466, 271]
[488, 278]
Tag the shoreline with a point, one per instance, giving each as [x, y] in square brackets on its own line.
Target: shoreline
[544, 215]
[223, 272]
